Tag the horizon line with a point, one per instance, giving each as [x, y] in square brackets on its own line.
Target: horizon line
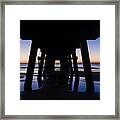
[77, 62]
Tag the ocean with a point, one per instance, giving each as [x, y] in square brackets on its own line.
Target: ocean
[82, 83]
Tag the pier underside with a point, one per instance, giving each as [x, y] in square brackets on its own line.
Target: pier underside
[58, 40]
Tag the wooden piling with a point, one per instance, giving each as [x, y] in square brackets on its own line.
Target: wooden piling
[41, 67]
[75, 70]
[30, 68]
[87, 66]
[70, 71]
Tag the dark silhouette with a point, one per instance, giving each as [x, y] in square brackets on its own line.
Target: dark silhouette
[58, 40]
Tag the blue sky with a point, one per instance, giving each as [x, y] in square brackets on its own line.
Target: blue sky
[93, 46]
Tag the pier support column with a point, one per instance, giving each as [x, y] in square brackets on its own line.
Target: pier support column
[87, 66]
[49, 68]
[70, 72]
[41, 67]
[76, 84]
[30, 68]
[64, 69]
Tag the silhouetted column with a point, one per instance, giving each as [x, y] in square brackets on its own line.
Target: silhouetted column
[49, 67]
[30, 68]
[76, 71]
[41, 67]
[64, 69]
[87, 66]
[70, 72]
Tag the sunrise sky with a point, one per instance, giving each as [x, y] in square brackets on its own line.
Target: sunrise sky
[93, 46]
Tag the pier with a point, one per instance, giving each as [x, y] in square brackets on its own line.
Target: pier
[58, 40]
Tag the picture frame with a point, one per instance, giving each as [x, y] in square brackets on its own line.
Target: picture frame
[2, 67]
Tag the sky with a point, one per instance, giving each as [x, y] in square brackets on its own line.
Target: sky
[93, 47]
